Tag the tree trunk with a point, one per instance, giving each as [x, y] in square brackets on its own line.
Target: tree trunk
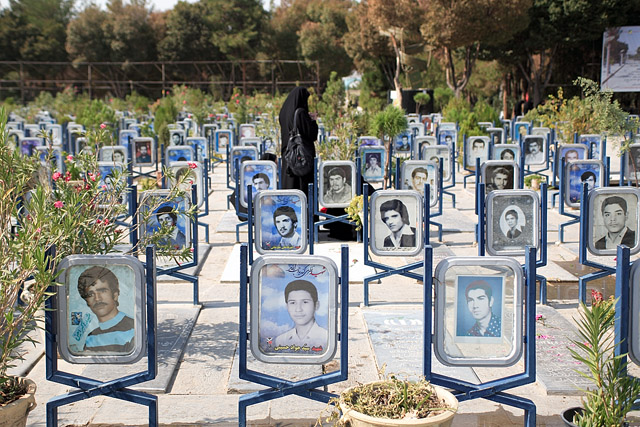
[455, 84]
[396, 76]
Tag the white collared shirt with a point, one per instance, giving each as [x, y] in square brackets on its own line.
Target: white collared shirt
[406, 231]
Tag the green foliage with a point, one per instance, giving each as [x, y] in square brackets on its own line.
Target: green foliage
[458, 110]
[373, 96]
[388, 123]
[596, 112]
[331, 107]
[354, 211]
[165, 114]
[614, 392]
[441, 97]
[96, 113]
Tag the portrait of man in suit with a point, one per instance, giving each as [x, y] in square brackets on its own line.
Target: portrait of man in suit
[615, 215]
[395, 216]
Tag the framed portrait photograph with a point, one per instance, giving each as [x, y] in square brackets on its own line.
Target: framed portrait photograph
[634, 318]
[521, 129]
[500, 175]
[179, 153]
[176, 137]
[402, 143]
[412, 118]
[251, 141]
[414, 174]
[572, 152]
[395, 223]
[166, 213]
[83, 146]
[369, 141]
[51, 156]
[496, 135]
[194, 173]
[223, 138]
[478, 314]
[240, 155]
[423, 141]
[282, 225]
[55, 131]
[337, 183]
[477, 148]
[594, 144]
[209, 131]
[437, 154]
[632, 168]
[579, 172]
[447, 137]
[416, 129]
[31, 130]
[295, 321]
[101, 309]
[613, 220]
[507, 152]
[117, 154]
[260, 174]
[125, 135]
[199, 145]
[112, 175]
[28, 145]
[247, 130]
[513, 222]
[535, 150]
[144, 150]
[373, 160]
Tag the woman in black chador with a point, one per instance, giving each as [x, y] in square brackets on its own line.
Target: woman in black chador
[297, 98]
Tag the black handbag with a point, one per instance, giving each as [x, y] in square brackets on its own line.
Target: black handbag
[298, 156]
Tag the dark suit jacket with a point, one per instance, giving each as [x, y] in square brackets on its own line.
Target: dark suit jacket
[406, 240]
[515, 233]
[629, 239]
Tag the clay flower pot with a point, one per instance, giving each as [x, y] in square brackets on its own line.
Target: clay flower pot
[15, 413]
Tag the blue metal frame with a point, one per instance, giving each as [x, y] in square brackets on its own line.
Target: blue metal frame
[575, 218]
[237, 202]
[205, 191]
[279, 387]
[388, 270]
[542, 295]
[176, 271]
[604, 270]
[87, 387]
[493, 390]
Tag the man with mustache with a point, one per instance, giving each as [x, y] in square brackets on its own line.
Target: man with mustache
[99, 288]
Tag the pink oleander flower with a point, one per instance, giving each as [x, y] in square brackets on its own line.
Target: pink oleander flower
[538, 316]
[56, 176]
[58, 204]
[192, 165]
[70, 157]
[103, 126]
[38, 230]
[184, 102]
[106, 221]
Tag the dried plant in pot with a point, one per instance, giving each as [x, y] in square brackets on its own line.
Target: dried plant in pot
[396, 402]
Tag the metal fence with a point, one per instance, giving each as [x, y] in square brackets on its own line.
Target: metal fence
[26, 79]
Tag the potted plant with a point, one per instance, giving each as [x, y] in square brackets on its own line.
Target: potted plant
[533, 181]
[613, 392]
[396, 402]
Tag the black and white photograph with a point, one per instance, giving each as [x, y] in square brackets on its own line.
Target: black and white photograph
[416, 173]
[614, 220]
[478, 316]
[297, 306]
[437, 154]
[477, 147]
[535, 150]
[396, 222]
[337, 183]
[373, 160]
[144, 152]
[116, 154]
[512, 222]
[500, 175]
[282, 221]
[496, 135]
[101, 309]
[176, 137]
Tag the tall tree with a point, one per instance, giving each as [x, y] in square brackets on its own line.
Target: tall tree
[129, 31]
[86, 37]
[188, 34]
[461, 27]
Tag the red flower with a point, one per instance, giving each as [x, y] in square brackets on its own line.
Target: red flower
[106, 221]
[102, 126]
[192, 165]
[596, 296]
[58, 204]
[70, 157]
[56, 176]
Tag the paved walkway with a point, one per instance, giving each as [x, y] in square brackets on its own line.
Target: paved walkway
[204, 387]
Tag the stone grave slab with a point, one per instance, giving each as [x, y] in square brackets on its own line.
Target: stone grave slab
[228, 222]
[453, 220]
[396, 337]
[175, 323]
[440, 252]
[556, 369]
[203, 252]
[357, 270]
